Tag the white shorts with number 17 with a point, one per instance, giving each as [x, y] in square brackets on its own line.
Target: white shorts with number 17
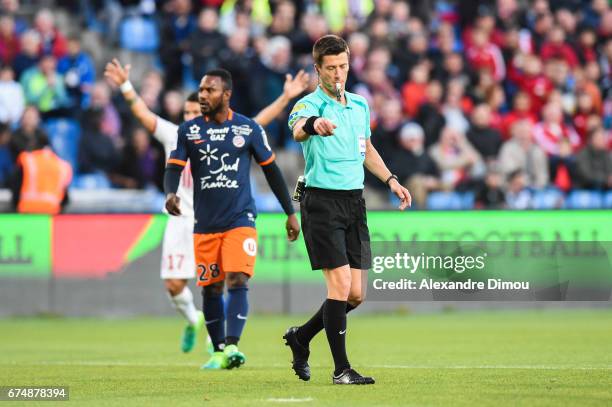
[177, 251]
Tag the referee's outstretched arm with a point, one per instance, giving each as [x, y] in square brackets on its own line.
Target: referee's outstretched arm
[375, 164]
[320, 126]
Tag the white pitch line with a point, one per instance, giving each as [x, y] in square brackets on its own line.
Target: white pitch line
[532, 367]
[290, 400]
[101, 363]
[192, 364]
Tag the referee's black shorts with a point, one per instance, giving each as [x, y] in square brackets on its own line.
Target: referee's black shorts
[335, 228]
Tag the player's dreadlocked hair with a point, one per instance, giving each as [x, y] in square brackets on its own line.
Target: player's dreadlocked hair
[225, 76]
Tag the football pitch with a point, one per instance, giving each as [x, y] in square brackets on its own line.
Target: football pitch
[530, 358]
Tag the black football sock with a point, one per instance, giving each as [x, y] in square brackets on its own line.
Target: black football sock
[236, 313]
[334, 320]
[214, 315]
[314, 325]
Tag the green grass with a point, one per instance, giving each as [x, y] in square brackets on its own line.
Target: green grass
[530, 358]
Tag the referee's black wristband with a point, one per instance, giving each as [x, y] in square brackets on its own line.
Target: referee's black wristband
[392, 176]
[308, 127]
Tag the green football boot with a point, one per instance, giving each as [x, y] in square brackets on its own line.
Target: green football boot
[235, 358]
[217, 361]
[190, 334]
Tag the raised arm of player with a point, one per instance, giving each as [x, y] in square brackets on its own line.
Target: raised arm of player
[293, 87]
[119, 75]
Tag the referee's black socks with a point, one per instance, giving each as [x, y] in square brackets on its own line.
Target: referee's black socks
[314, 325]
[334, 320]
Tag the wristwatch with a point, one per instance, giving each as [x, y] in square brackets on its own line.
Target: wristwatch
[392, 176]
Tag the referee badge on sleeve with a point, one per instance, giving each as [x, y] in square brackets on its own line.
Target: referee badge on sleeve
[294, 115]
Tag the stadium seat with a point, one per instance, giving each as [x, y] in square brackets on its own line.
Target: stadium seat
[91, 181]
[64, 136]
[608, 200]
[445, 202]
[549, 198]
[439, 201]
[467, 200]
[139, 34]
[584, 199]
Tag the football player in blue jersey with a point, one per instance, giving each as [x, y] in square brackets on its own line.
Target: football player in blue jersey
[220, 145]
[178, 262]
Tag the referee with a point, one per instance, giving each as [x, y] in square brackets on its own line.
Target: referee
[334, 129]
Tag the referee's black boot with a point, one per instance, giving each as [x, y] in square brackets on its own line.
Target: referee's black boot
[349, 376]
[300, 354]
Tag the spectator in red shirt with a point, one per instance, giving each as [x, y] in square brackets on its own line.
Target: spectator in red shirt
[211, 3]
[52, 40]
[552, 132]
[483, 54]
[413, 92]
[560, 142]
[526, 72]
[584, 109]
[9, 41]
[521, 110]
[587, 41]
[556, 47]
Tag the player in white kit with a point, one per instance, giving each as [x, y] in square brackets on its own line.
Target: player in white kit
[178, 263]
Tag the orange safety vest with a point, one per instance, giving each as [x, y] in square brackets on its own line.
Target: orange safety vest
[45, 179]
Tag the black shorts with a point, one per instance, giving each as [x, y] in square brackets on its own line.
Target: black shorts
[335, 228]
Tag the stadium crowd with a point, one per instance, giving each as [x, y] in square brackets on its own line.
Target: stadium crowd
[486, 104]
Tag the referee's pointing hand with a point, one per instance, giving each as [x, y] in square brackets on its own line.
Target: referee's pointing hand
[324, 127]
